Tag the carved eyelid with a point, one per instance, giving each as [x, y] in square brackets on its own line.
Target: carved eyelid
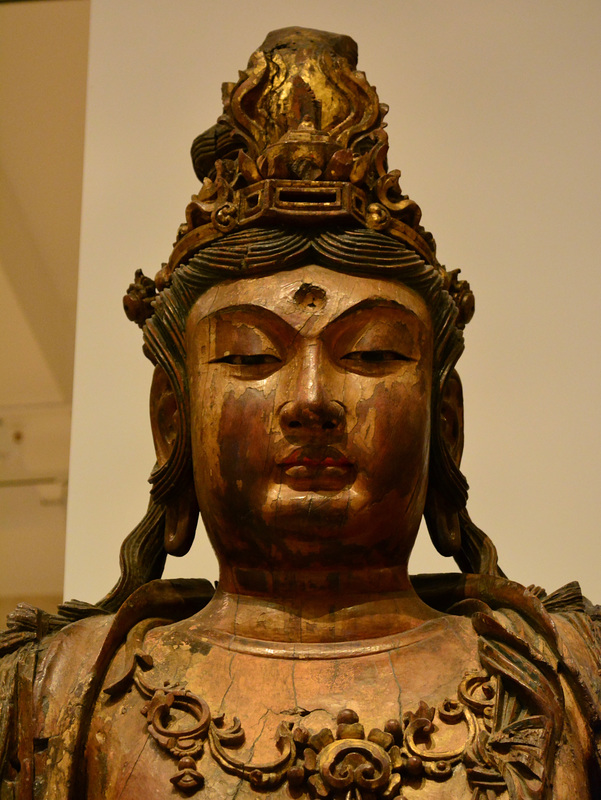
[251, 359]
[379, 341]
[376, 356]
[275, 336]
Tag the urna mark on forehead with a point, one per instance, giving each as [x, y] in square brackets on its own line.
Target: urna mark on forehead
[309, 296]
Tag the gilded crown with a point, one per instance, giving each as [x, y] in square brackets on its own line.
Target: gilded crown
[301, 141]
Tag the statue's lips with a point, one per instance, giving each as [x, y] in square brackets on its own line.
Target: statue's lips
[317, 468]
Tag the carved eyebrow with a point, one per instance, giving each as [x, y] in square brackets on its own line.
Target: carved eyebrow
[258, 311]
[275, 319]
[368, 303]
[246, 308]
[376, 302]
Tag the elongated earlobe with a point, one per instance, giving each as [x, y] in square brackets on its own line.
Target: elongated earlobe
[181, 521]
[443, 524]
[180, 502]
[441, 514]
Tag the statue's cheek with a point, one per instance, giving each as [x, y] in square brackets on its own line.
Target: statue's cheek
[393, 429]
[245, 444]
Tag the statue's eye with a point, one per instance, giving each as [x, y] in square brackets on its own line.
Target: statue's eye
[375, 356]
[251, 360]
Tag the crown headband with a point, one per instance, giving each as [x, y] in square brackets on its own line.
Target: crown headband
[301, 141]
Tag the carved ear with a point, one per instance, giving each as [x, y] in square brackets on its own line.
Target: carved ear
[451, 416]
[181, 505]
[164, 412]
[442, 517]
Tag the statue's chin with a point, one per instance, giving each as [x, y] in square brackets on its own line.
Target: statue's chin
[292, 529]
[348, 517]
[310, 514]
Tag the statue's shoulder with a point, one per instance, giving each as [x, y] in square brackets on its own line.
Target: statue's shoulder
[562, 627]
[529, 611]
[545, 649]
[541, 654]
[50, 673]
[42, 669]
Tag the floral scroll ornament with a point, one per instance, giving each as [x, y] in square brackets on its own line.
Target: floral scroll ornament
[180, 722]
[462, 296]
[342, 763]
[338, 763]
[140, 297]
[348, 765]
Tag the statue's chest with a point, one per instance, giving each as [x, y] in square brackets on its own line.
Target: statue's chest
[383, 721]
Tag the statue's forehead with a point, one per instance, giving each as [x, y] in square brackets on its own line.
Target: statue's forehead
[307, 291]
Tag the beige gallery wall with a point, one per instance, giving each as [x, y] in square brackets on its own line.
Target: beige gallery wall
[495, 122]
[43, 68]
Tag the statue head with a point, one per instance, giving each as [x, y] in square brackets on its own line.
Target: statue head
[304, 337]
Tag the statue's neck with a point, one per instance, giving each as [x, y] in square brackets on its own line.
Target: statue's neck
[315, 606]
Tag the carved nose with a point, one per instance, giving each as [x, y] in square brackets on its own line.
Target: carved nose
[312, 415]
[313, 421]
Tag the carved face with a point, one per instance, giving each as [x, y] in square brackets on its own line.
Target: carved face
[310, 405]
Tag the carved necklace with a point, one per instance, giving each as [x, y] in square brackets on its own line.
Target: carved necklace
[341, 762]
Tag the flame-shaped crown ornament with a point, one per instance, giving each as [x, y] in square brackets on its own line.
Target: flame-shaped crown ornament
[301, 141]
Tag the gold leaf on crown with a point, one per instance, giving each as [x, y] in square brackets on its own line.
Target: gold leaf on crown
[301, 139]
[300, 142]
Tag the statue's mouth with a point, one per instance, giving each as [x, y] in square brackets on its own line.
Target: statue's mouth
[314, 468]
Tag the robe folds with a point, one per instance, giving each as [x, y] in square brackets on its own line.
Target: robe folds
[535, 736]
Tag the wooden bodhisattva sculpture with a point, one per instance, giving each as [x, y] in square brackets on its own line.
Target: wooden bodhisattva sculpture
[304, 398]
